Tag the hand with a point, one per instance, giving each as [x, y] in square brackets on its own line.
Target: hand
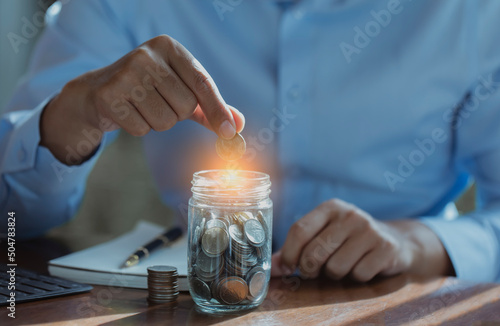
[153, 87]
[342, 240]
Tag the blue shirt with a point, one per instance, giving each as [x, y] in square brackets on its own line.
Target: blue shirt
[390, 105]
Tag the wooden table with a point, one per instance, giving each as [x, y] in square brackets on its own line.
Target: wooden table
[400, 300]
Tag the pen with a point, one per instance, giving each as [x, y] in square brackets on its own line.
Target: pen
[158, 242]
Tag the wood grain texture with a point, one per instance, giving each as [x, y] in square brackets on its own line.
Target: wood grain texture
[400, 300]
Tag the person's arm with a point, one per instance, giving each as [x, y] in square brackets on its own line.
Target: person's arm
[42, 191]
[342, 240]
[152, 87]
[473, 240]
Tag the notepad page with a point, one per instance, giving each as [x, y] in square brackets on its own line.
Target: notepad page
[109, 256]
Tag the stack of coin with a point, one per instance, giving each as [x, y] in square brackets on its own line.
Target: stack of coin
[242, 256]
[229, 255]
[162, 284]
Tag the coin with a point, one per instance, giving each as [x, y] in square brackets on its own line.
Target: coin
[214, 289]
[198, 232]
[254, 232]
[214, 241]
[162, 284]
[262, 221]
[230, 149]
[236, 234]
[201, 288]
[206, 263]
[256, 282]
[216, 223]
[208, 276]
[233, 290]
[227, 262]
[225, 221]
[162, 269]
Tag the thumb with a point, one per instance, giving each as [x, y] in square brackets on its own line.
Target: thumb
[275, 265]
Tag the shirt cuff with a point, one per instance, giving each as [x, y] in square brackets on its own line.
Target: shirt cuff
[471, 246]
[24, 138]
[24, 152]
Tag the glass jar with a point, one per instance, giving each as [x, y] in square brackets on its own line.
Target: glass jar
[229, 250]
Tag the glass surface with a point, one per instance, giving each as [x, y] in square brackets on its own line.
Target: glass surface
[229, 252]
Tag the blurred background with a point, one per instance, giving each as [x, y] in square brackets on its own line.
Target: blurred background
[120, 189]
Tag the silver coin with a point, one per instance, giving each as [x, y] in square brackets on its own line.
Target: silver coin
[163, 290]
[216, 223]
[156, 301]
[163, 280]
[254, 232]
[164, 299]
[162, 277]
[262, 220]
[210, 276]
[214, 241]
[201, 288]
[225, 220]
[207, 277]
[196, 237]
[162, 269]
[237, 235]
[162, 286]
[198, 232]
[257, 284]
[206, 263]
[163, 294]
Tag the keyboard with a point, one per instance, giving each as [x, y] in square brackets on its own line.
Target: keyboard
[31, 286]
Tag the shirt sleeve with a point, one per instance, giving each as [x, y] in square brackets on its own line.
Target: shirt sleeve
[473, 240]
[79, 36]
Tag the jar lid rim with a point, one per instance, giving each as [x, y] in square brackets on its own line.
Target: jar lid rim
[257, 176]
[230, 184]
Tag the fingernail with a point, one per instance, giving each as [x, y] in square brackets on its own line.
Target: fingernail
[227, 130]
[286, 270]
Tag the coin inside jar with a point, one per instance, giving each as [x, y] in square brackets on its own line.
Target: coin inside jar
[233, 290]
[256, 283]
[230, 149]
[225, 271]
[254, 232]
[207, 264]
[236, 234]
[216, 223]
[201, 288]
[214, 241]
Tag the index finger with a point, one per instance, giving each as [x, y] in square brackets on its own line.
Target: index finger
[301, 233]
[202, 85]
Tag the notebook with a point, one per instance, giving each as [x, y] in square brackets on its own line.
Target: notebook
[101, 264]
